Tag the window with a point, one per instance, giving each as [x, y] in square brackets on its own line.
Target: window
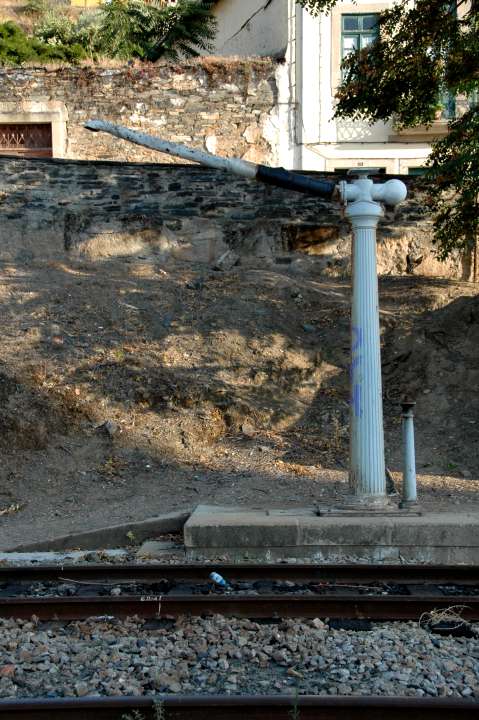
[416, 171]
[447, 106]
[26, 139]
[350, 168]
[473, 99]
[357, 32]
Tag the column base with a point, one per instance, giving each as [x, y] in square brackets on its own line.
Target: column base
[359, 505]
[409, 505]
[369, 502]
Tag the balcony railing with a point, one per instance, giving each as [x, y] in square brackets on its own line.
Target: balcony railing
[452, 107]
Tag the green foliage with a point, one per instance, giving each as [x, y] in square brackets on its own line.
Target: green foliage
[454, 169]
[316, 7]
[87, 32]
[35, 8]
[58, 30]
[17, 48]
[423, 50]
[124, 26]
[191, 27]
[122, 29]
[55, 28]
[414, 60]
[136, 29]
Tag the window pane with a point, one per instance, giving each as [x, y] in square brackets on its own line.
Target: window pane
[367, 40]
[350, 44]
[448, 101]
[369, 22]
[351, 22]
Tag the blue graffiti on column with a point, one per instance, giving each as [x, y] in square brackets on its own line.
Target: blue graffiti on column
[356, 345]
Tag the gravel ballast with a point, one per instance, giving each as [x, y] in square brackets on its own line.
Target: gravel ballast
[232, 656]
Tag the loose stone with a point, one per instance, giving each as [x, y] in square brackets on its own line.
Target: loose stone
[233, 656]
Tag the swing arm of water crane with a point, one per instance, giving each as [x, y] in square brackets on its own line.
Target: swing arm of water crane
[262, 173]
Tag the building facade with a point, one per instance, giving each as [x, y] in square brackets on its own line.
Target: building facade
[312, 49]
[278, 112]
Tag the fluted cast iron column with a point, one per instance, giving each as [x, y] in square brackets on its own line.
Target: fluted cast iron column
[367, 466]
[367, 475]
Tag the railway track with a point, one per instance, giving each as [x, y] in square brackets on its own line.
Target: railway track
[155, 591]
[304, 707]
[166, 591]
[196, 572]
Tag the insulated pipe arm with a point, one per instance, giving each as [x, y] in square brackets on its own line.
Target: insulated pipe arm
[238, 167]
[272, 176]
[294, 181]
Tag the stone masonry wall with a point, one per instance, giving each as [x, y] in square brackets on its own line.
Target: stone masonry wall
[222, 105]
[52, 207]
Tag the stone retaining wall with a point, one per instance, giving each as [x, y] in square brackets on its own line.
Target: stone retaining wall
[95, 209]
[226, 106]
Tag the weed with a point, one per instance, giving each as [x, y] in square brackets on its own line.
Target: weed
[159, 713]
[12, 509]
[295, 713]
[451, 615]
[119, 355]
[135, 715]
[159, 710]
[35, 7]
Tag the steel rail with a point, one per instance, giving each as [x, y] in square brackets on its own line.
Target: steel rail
[363, 607]
[309, 707]
[153, 572]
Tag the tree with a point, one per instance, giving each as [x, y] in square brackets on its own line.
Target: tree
[124, 29]
[150, 30]
[423, 51]
[17, 48]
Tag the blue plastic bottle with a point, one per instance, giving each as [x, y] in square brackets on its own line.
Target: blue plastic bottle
[219, 580]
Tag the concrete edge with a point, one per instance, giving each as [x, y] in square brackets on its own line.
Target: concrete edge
[112, 536]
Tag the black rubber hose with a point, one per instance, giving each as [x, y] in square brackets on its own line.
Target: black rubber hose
[294, 181]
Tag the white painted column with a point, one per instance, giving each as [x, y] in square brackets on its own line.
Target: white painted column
[367, 474]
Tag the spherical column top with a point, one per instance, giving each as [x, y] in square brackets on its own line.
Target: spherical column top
[392, 192]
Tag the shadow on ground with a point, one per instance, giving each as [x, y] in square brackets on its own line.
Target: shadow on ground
[129, 389]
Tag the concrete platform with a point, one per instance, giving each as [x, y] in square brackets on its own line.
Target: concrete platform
[238, 534]
[110, 536]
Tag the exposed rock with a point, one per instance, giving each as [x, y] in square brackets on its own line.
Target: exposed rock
[226, 261]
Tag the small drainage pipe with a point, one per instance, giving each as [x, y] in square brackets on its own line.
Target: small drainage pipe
[409, 491]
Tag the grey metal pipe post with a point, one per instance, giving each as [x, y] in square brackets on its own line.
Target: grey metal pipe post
[409, 490]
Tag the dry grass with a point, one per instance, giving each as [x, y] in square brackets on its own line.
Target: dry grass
[452, 616]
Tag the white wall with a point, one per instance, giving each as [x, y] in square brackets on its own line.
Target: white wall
[307, 135]
[324, 142]
[252, 27]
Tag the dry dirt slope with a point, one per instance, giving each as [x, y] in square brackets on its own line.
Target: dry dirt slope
[129, 389]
